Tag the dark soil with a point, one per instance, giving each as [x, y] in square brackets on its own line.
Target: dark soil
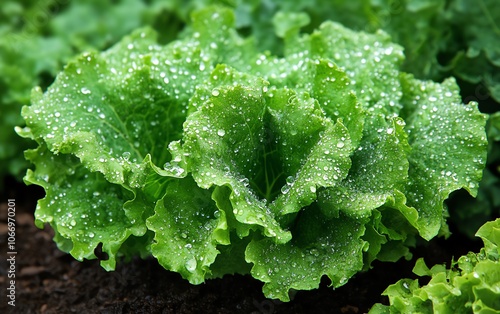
[50, 281]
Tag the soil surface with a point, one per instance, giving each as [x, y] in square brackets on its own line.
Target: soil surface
[50, 281]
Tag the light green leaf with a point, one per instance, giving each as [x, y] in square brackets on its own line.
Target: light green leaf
[371, 62]
[379, 172]
[471, 285]
[112, 115]
[448, 144]
[490, 234]
[316, 151]
[223, 139]
[188, 227]
[325, 82]
[287, 23]
[81, 225]
[319, 246]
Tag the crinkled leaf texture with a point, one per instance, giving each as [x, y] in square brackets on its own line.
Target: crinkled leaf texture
[471, 285]
[217, 159]
[37, 37]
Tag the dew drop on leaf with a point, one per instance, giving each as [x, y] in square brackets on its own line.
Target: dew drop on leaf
[85, 91]
[191, 265]
[126, 155]
[285, 189]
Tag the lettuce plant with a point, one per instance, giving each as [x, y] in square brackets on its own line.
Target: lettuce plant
[471, 285]
[216, 158]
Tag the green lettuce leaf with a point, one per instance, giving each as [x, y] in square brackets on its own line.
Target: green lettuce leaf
[470, 213]
[318, 247]
[37, 37]
[188, 227]
[81, 226]
[442, 132]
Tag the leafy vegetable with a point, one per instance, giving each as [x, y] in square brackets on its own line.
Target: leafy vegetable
[471, 285]
[314, 163]
[469, 213]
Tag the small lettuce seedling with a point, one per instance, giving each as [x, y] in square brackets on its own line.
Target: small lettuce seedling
[470, 285]
[216, 158]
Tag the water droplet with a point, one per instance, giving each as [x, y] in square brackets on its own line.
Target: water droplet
[312, 188]
[314, 252]
[285, 189]
[340, 144]
[215, 92]
[221, 132]
[85, 90]
[191, 265]
[126, 155]
[91, 235]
